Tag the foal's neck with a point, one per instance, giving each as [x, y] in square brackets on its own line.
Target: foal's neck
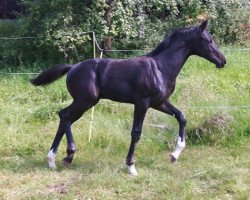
[171, 60]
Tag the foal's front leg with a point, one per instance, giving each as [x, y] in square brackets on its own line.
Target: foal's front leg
[139, 115]
[168, 108]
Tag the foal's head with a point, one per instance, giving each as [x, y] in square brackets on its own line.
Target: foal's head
[202, 44]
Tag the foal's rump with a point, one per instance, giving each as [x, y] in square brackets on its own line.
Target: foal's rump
[82, 80]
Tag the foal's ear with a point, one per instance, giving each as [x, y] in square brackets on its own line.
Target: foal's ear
[203, 25]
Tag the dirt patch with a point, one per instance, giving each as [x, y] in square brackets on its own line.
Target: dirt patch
[60, 188]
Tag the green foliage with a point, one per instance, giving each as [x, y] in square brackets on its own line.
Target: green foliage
[128, 24]
[8, 28]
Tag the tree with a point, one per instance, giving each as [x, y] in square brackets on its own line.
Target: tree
[120, 24]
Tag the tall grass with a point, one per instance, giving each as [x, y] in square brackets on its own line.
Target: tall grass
[215, 164]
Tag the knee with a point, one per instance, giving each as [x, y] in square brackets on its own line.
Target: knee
[182, 119]
[137, 138]
[136, 135]
[64, 119]
[61, 113]
[71, 150]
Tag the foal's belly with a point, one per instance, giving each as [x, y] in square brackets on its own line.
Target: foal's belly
[121, 93]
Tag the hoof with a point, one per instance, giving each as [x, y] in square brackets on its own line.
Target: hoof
[132, 171]
[51, 159]
[172, 158]
[66, 163]
[51, 163]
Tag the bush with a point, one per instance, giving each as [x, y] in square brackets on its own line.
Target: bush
[213, 130]
[128, 24]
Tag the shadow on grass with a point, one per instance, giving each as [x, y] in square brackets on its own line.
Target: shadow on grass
[18, 164]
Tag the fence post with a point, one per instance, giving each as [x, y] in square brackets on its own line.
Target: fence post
[93, 108]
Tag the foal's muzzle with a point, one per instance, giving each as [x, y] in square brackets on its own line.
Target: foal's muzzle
[221, 64]
[219, 59]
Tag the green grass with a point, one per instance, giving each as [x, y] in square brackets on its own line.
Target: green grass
[215, 164]
[202, 173]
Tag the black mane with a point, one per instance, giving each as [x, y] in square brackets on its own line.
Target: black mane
[169, 38]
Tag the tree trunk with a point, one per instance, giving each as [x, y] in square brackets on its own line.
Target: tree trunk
[141, 30]
[107, 41]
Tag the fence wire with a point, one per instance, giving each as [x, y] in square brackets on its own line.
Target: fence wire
[96, 44]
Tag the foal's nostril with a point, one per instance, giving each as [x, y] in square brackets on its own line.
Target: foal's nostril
[225, 61]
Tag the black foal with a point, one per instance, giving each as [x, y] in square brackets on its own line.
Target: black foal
[145, 81]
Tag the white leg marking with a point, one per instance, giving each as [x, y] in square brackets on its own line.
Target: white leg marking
[132, 171]
[51, 159]
[179, 147]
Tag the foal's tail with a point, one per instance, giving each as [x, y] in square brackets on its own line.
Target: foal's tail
[50, 75]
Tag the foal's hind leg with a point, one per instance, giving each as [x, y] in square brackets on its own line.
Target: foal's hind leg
[53, 149]
[67, 117]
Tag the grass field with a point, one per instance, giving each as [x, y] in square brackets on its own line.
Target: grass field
[214, 165]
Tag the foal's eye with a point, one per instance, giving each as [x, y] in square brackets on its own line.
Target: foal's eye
[208, 40]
